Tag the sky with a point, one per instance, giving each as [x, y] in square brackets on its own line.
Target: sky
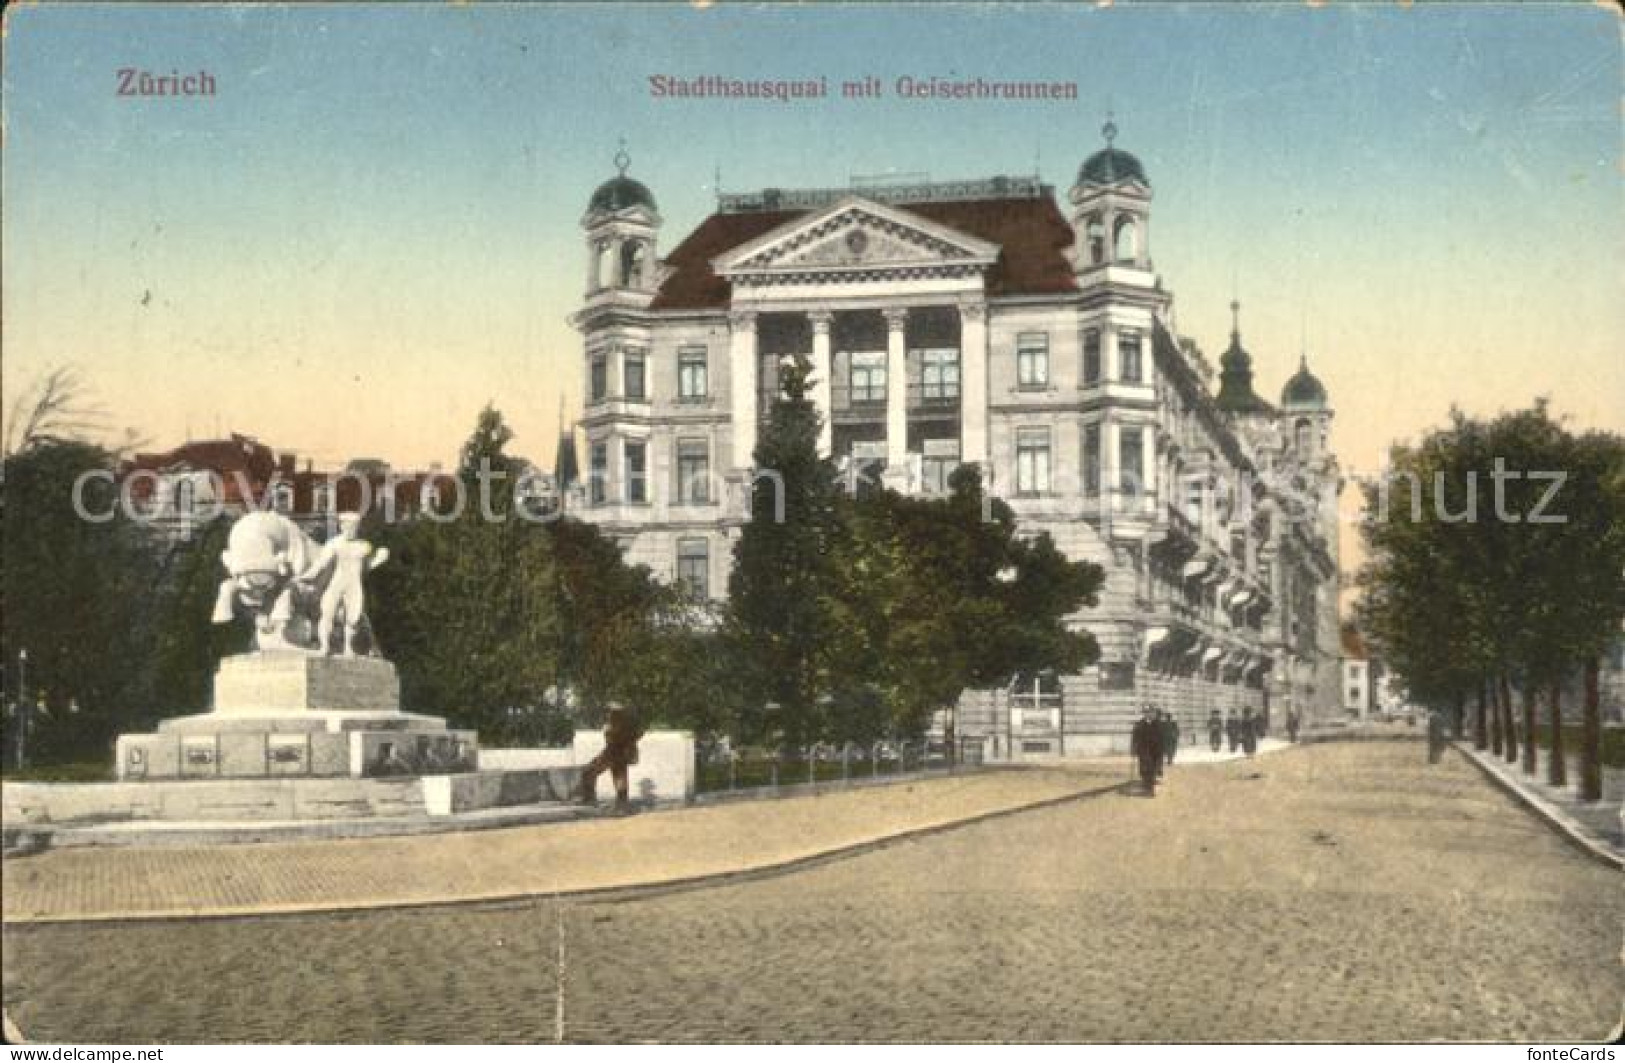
[373, 228]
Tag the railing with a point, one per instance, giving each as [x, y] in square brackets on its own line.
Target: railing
[722, 771]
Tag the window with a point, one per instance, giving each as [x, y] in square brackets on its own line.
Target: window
[632, 256]
[1091, 358]
[1097, 240]
[692, 385]
[1036, 692]
[1128, 242]
[1032, 461]
[939, 374]
[637, 472]
[1302, 436]
[600, 378]
[598, 464]
[632, 376]
[1194, 499]
[869, 376]
[1032, 360]
[694, 569]
[1128, 357]
[1130, 459]
[1091, 459]
[937, 464]
[693, 471]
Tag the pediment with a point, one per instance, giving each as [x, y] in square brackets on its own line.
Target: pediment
[856, 234]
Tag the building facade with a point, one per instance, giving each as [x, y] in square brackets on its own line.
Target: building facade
[978, 322]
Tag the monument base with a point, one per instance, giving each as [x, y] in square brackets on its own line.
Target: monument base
[283, 714]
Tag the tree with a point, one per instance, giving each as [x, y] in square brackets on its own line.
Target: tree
[79, 599]
[466, 606]
[779, 617]
[942, 594]
[492, 617]
[1504, 577]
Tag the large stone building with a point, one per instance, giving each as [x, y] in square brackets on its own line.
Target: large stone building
[979, 321]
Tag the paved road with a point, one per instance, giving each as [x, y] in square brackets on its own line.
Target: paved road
[1330, 892]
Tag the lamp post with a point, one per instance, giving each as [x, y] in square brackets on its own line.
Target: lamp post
[24, 708]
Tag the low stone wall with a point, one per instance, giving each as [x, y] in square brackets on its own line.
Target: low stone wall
[446, 794]
[663, 774]
[527, 759]
[208, 800]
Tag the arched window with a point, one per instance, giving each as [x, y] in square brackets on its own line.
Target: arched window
[1095, 232]
[600, 263]
[1302, 435]
[1127, 240]
[631, 264]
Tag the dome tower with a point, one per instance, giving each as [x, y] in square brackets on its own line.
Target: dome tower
[622, 225]
[1111, 212]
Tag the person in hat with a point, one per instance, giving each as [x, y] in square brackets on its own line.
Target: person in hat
[1215, 730]
[1145, 745]
[1170, 737]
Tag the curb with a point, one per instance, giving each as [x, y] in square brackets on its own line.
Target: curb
[1544, 810]
[609, 894]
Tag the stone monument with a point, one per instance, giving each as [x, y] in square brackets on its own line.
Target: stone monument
[293, 707]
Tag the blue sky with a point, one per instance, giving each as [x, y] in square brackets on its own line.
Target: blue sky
[373, 227]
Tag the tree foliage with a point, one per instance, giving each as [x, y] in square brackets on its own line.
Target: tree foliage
[1496, 551]
[857, 617]
[80, 598]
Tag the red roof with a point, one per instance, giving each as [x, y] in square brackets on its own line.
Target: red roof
[1031, 234]
[239, 453]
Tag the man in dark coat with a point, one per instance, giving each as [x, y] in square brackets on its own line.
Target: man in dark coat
[1249, 732]
[1170, 737]
[620, 751]
[1232, 731]
[1145, 745]
[1215, 730]
[1292, 725]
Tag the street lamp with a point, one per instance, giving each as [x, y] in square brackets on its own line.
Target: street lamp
[23, 707]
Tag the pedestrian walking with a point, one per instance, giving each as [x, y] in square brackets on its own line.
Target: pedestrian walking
[1170, 737]
[1215, 730]
[1145, 745]
[1249, 732]
[1232, 731]
[1292, 722]
[620, 751]
[1436, 735]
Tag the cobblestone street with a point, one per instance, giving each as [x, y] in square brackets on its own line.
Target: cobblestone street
[1332, 892]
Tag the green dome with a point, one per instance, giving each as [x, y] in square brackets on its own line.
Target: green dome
[1304, 391]
[619, 193]
[1111, 166]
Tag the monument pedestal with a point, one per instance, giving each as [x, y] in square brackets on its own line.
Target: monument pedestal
[292, 714]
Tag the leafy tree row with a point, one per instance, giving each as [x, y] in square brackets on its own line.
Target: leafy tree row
[1496, 572]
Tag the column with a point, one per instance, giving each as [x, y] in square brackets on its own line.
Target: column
[823, 368]
[896, 394]
[973, 383]
[1110, 476]
[742, 385]
[1148, 467]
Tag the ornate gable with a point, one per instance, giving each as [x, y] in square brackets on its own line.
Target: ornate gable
[856, 235]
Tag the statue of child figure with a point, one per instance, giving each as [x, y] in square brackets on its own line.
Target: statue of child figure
[349, 558]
